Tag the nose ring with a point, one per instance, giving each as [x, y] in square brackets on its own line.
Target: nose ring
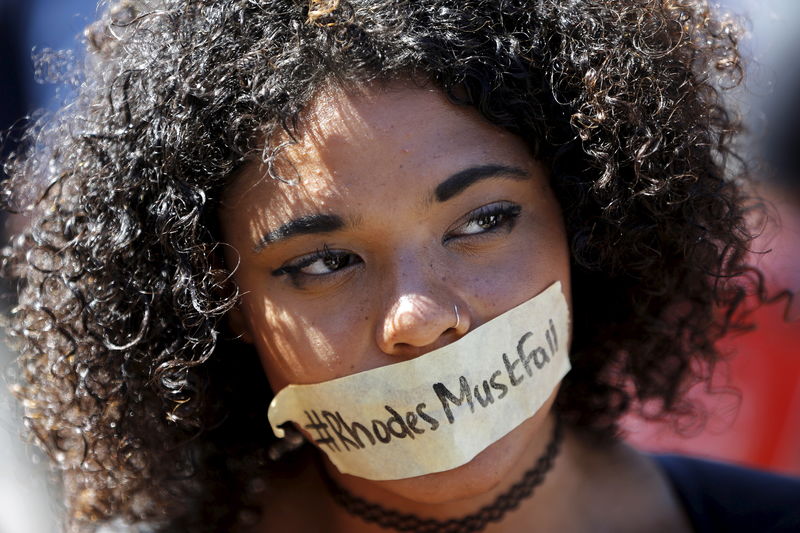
[458, 318]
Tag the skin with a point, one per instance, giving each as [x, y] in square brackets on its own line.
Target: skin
[384, 288]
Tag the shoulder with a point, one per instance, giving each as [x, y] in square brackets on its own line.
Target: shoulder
[724, 497]
[623, 490]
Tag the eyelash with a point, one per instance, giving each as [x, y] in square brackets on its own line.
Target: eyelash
[504, 215]
[294, 268]
[501, 216]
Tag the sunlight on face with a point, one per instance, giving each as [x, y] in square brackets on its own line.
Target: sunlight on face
[404, 206]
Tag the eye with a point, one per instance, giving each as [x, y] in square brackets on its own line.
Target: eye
[486, 219]
[320, 263]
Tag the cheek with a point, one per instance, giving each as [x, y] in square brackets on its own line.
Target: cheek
[306, 342]
[537, 257]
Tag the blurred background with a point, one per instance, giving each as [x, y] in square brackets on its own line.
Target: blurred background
[29, 495]
[751, 412]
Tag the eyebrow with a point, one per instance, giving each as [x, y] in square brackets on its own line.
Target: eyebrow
[449, 188]
[460, 181]
[305, 225]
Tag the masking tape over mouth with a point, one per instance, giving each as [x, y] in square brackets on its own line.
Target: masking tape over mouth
[437, 411]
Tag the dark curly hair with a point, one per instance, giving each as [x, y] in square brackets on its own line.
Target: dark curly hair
[130, 380]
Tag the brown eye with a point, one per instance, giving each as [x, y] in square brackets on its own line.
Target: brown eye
[319, 263]
[329, 263]
[487, 219]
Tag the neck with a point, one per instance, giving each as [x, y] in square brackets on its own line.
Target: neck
[459, 493]
[589, 484]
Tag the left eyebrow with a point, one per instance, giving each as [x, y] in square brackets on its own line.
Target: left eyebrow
[460, 181]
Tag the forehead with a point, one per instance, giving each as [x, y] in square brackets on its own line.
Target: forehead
[395, 125]
[367, 145]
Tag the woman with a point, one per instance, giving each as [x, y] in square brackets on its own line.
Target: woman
[251, 195]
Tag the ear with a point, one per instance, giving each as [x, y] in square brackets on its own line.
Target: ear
[238, 325]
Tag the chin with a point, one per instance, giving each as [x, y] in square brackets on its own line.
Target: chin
[502, 462]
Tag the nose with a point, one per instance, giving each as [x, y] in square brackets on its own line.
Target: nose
[418, 322]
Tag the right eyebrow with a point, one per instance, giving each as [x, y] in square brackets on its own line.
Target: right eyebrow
[305, 225]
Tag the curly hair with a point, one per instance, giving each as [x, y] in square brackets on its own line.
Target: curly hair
[130, 379]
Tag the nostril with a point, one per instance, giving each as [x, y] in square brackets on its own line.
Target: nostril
[416, 323]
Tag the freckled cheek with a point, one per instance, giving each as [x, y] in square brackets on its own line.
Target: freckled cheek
[495, 292]
[515, 277]
[312, 343]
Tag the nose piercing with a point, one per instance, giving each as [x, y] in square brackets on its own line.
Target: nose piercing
[458, 318]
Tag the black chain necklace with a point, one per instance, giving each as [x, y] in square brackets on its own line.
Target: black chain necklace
[494, 512]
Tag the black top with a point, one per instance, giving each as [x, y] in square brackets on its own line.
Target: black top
[719, 497]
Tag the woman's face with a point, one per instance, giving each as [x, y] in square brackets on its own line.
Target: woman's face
[403, 207]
